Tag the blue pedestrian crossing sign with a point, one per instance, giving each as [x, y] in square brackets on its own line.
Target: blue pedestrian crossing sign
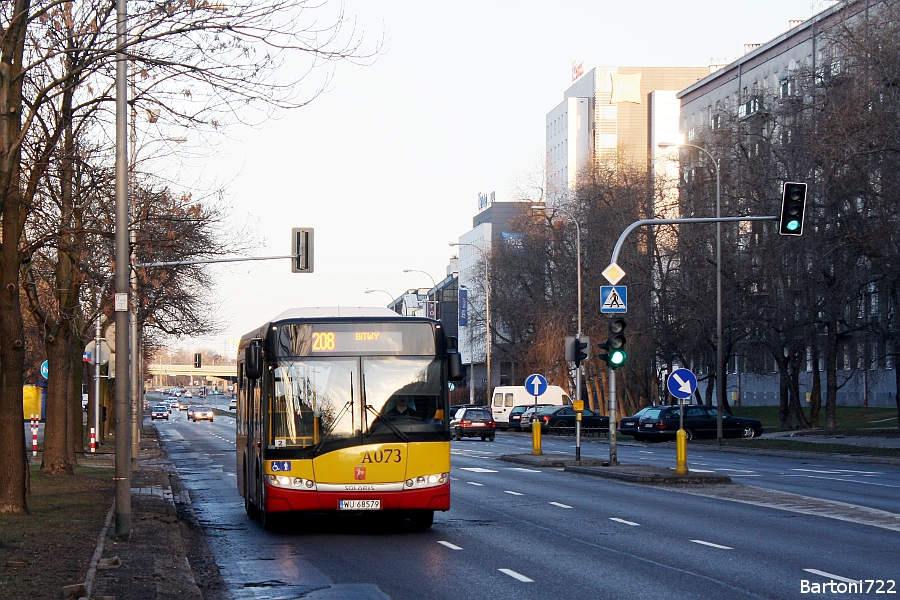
[682, 383]
[613, 299]
[536, 384]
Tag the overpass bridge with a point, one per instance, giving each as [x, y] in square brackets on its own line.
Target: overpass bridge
[211, 375]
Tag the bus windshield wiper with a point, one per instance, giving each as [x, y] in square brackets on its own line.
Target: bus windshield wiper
[381, 419]
[334, 423]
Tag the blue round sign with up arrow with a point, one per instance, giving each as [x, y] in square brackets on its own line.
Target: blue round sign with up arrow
[682, 383]
[536, 384]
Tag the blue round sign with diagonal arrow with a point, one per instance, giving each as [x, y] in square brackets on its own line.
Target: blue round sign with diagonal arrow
[682, 383]
[536, 384]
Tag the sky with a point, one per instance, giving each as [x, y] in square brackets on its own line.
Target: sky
[386, 165]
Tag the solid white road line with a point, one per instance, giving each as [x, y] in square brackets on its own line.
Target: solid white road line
[449, 545]
[710, 544]
[524, 470]
[624, 521]
[515, 575]
[831, 576]
[560, 505]
[513, 493]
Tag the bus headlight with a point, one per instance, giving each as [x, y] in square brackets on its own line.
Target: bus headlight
[283, 481]
[426, 481]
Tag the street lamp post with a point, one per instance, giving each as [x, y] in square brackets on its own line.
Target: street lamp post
[383, 292]
[434, 302]
[487, 313]
[720, 367]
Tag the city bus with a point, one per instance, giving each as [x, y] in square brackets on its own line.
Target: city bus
[345, 409]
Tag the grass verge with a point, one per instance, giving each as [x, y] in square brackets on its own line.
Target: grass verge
[846, 417]
[56, 539]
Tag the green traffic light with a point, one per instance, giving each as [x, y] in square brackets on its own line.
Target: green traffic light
[617, 357]
[792, 225]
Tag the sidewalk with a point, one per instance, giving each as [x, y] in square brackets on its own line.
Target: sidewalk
[167, 553]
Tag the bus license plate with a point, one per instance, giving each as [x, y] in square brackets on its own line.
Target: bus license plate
[360, 505]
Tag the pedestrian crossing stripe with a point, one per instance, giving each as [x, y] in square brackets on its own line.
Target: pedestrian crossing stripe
[613, 299]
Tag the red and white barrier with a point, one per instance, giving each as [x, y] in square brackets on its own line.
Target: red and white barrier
[35, 421]
[93, 440]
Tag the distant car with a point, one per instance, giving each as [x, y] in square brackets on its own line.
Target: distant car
[201, 413]
[190, 413]
[629, 425]
[173, 404]
[232, 405]
[160, 411]
[188, 394]
[561, 419]
[183, 405]
[473, 422]
[515, 415]
[661, 423]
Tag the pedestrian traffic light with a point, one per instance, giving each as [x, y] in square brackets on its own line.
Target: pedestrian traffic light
[614, 345]
[577, 349]
[197, 361]
[793, 209]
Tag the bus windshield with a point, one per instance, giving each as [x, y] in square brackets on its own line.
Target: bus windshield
[324, 404]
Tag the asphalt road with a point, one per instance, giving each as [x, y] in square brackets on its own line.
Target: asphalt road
[515, 532]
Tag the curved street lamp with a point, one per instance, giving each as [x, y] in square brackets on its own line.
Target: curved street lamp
[487, 313]
[720, 367]
[434, 303]
[383, 292]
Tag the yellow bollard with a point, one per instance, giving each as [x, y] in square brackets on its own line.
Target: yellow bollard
[681, 453]
[536, 437]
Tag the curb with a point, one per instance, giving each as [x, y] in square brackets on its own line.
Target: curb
[602, 468]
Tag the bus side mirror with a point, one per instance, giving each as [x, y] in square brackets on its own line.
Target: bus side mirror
[452, 343]
[454, 367]
[253, 360]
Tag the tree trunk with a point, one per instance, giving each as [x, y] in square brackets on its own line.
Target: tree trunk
[56, 441]
[77, 378]
[831, 386]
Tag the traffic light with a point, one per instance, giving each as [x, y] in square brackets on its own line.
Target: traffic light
[793, 209]
[302, 249]
[615, 345]
[197, 361]
[577, 349]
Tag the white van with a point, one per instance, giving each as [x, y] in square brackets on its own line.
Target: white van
[505, 397]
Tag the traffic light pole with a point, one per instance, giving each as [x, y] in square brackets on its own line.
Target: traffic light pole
[613, 452]
[719, 367]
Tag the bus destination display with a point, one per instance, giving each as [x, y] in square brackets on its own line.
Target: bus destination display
[356, 341]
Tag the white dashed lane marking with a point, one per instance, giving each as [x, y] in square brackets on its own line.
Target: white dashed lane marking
[513, 493]
[559, 504]
[711, 545]
[474, 483]
[477, 470]
[515, 575]
[449, 545]
[625, 522]
[831, 576]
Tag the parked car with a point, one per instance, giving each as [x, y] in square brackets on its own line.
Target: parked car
[507, 397]
[629, 425]
[473, 422]
[516, 414]
[525, 421]
[200, 413]
[160, 411]
[561, 419]
[661, 423]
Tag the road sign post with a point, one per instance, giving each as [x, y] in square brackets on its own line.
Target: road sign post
[537, 385]
[681, 383]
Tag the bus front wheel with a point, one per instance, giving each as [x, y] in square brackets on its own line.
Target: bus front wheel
[420, 520]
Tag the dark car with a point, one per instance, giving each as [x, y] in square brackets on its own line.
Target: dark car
[561, 419]
[661, 423]
[629, 425]
[200, 413]
[515, 415]
[473, 422]
[160, 411]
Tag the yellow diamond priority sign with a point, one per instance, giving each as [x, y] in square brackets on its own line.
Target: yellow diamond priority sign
[613, 273]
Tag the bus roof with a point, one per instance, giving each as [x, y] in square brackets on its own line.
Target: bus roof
[324, 312]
